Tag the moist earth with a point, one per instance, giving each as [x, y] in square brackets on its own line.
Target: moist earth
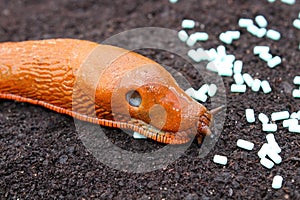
[43, 155]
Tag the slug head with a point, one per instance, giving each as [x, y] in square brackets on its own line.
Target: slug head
[139, 91]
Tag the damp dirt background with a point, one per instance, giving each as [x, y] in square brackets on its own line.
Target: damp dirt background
[42, 155]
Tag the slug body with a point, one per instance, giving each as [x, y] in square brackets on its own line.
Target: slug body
[101, 84]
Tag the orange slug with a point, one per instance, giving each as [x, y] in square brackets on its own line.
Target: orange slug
[101, 84]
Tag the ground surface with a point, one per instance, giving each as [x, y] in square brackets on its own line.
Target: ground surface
[42, 155]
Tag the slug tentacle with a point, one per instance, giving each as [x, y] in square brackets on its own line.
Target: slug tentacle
[101, 84]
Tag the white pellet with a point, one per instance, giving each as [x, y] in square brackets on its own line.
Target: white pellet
[173, 1]
[225, 38]
[261, 21]
[274, 62]
[261, 32]
[280, 115]
[297, 80]
[256, 85]
[244, 23]
[296, 93]
[294, 115]
[244, 144]
[238, 88]
[212, 90]
[263, 150]
[238, 78]
[212, 66]
[229, 59]
[260, 49]
[200, 36]
[274, 35]
[225, 71]
[266, 163]
[290, 2]
[275, 157]
[200, 96]
[204, 89]
[221, 50]
[294, 128]
[202, 54]
[191, 41]
[277, 182]
[248, 79]
[296, 23]
[265, 56]
[250, 115]
[253, 29]
[234, 34]
[183, 36]
[222, 160]
[266, 87]
[190, 92]
[289, 122]
[271, 1]
[194, 55]
[264, 119]
[237, 66]
[269, 127]
[272, 143]
[188, 23]
[137, 135]
[212, 53]
[226, 63]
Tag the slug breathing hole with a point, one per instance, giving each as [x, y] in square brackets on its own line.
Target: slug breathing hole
[134, 98]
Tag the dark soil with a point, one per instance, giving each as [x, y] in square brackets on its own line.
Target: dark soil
[42, 156]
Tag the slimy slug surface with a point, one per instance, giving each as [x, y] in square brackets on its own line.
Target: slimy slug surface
[101, 84]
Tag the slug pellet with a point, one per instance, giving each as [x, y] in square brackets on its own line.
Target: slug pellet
[237, 66]
[188, 23]
[244, 144]
[244, 23]
[183, 36]
[261, 32]
[294, 128]
[238, 88]
[260, 49]
[274, 156]
[274, 35]
[263, 118]
[250, 115]
[248, 79]
[266, 163]
[275, 116]
[296, 23]
[269, 127]
[296, 80]
[296, 93]
[274, 62]
[272, 142]
[256, 85]
[261, 21]
[222, 160]
[212, 90]
[137, 135]
[263, 150]
[225, 38]
[290, 2]
[266, 86]
[277, 182]
[238, 78]
[265, 56]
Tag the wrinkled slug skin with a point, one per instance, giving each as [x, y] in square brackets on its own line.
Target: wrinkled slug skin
[90, 82]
